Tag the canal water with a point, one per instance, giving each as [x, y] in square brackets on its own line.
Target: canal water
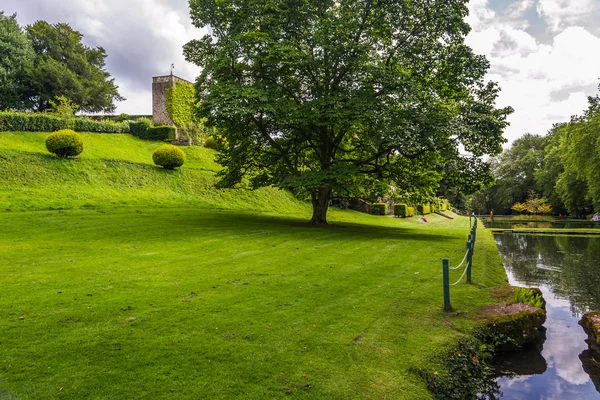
[567, 270]
[560, 224]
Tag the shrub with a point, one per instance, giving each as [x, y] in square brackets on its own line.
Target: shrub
[140, 127]
[64, 143]
[168, 156]
[193, 131]
[215, 142]
[379, 208]
[85, 124]
[411, 211]
[32, 122]
[531, 296]
[46, 122]
[423, 209]
[211, 143]
[401, 210]
[162, 132]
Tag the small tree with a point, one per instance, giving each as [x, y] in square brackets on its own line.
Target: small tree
[63, 107]
[535, 203]
[519, 207]
[545, 209]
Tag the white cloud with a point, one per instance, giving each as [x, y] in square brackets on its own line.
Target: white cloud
[544, 83]
[141, 37]
[559, 13]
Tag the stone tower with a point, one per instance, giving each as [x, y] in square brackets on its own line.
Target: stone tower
[160, 85]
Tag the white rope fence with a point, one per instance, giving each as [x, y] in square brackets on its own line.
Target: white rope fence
[461, 263]
[462, 276]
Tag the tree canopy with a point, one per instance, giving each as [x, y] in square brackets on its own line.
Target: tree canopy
[561, 166]
[323, 96]
[47, 61]
[16, 58]
[64, 66]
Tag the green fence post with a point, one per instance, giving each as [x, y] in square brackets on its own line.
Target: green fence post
[469, 257]
[446, 278]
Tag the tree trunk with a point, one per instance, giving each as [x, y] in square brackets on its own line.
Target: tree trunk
[320, 202]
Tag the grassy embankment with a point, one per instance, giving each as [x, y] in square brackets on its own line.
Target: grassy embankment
[154, 290]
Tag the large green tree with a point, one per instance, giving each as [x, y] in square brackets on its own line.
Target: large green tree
[312, 94]
[16, 58]
[64, 66]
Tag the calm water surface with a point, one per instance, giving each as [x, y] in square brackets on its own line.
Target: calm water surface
[567, 270]
[508, 224]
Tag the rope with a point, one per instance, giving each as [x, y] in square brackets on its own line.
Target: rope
[461, 263]
[460, 279]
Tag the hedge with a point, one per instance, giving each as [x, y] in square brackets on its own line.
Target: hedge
[45, 122]
[163, 132]
[89, 125]
[32, 122]
[404, 211]
[380, 208]
[423, 209]
[140, 127]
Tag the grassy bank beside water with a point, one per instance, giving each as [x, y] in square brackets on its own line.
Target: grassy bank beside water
[168, 291]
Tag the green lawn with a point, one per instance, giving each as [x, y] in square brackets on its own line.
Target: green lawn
[173, 298]
[116, 170]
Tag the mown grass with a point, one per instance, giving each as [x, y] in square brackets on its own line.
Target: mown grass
[189, 301]
[116, 170]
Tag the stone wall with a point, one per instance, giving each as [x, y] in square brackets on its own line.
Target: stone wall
[160, 85]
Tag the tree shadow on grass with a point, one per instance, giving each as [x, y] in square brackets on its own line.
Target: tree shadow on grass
[237, 221]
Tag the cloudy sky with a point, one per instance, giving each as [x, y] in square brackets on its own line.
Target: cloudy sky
[544, 53]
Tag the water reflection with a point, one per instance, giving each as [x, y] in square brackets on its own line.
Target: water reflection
[508, 224]
[567, 270]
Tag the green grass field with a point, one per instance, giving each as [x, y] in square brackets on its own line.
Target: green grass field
[179, 291]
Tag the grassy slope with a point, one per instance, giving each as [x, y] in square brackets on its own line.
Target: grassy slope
[196, 303]
[116, 171]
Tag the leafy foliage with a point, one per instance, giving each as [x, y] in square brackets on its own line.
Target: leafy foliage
[403, 210]
[467, 374]
[180, 101]
[64, 143]
[47, 122]
[83, 124]
[32, 122]
[519, 207]
[168, 156]
[140, 127]
[423, 209]
[63, 107]
[529, 296]
[562, 166]
[162, 132]
[64, 66]
[312, 94]
[16, 59]
[380, 208]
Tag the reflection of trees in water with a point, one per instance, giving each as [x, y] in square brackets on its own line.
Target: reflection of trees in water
[590, 361]
[532, 260]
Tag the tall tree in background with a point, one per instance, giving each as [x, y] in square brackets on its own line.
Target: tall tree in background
[313, 94]
[64, 66]
[16, 58]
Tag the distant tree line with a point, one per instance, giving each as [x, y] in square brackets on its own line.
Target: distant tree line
[561, 169]
[41, 62]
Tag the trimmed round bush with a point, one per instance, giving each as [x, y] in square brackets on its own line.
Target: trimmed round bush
[211, 143]
[64, 143]
[168, 156]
